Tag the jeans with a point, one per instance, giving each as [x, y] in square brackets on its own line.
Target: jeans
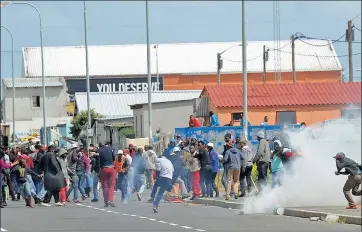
[139, 182]
[123, 184]
[73, 187]
[186, 177]
[246, 176]
[81, 182]
[224, 179]
[205, 177]
[213, 184]
[163, 184]
[130, 178]
[32, 186]
[262, 174]
[108, 180]
[24, 189]
[40, 190]
[277, 178]
[95, 185]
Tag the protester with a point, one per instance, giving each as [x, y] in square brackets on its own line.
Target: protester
[236, 163]
[139, 178]
[194, 164]
[224, 180]
[205, 171]
[121, 166]
[277, 167]
[23, 183]
[107, 173]
[186, 175]
[214, 159]
[3, 166]
[163, 182]
[150, 158]
[126, 153]
[95, 169]
[62, 159]
[353, 170]
[178, 165]
[214, 120]
[194, 122]
[54, 179]
[261, 159]
[265, 122]
[246, 176]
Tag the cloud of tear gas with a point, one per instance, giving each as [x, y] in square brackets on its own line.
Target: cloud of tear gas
[313, 182]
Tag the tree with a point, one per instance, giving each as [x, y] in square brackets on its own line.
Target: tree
[80, 121]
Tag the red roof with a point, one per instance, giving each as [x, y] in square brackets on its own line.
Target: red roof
[300, 94]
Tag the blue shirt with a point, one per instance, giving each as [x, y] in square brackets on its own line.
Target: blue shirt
[277, 164]
[214, 121]
[214, 159]
[106, 157]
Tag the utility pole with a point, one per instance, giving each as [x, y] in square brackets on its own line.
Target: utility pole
[350, 59]
[150, 137]
[265, 59]
[245, 73]
[219, 67]
[293, 59]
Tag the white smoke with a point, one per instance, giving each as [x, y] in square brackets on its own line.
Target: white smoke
[313, 182]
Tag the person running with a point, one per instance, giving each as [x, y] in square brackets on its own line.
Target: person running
[139, 178]
[163, 182]
[23, 182]
[194, 164]
[353, 170]
[121, 166]
[214, 159]
[107, 173]
[62, 159]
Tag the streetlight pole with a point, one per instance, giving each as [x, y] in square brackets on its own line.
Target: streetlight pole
[220, 62]
[157, 74]
[87, 73]
[149, 77]
[41, 56]
[13, 80]
[245, 77]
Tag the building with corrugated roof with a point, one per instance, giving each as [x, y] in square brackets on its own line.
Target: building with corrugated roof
[117, 108]
[29, 103]
[283, 103]
[121, 68]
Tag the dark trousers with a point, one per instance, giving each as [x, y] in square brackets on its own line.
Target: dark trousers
[10, 185]
[213, 184]
[205, 181]
[50, 194]
[262, 174]
[162, 184]
[246, 177]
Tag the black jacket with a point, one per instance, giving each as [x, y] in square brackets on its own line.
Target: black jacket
[204, 158]
[95, 162]
[53, 175]
[351, 167]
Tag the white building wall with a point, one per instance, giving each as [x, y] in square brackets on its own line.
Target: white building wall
[55, 103]
[166, 115]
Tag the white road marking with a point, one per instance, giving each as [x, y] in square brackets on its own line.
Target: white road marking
[3, 229]
[140, 217]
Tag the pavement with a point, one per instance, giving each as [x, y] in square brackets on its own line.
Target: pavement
[139, 217]
[339, 213]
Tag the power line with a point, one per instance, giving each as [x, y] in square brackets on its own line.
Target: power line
[356, 28]
[320, 45]
[356, 17]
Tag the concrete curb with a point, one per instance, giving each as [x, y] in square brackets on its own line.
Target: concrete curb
[322, 215]
[218, 203]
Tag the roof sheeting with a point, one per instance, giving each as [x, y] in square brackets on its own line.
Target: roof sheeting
[186, 58]
[272, 95]
[117, 105]
[33, 82]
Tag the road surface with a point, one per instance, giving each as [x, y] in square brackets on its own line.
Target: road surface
[139, 217]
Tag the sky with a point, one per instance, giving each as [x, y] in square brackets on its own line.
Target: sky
[123, 22]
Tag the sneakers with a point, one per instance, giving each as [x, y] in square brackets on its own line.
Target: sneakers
[139, 197]
[150, 200]
[184, 196]
[76, 201]
[155, 210]
[94, 200]
[84, 197]
[111, 203]
[124, 201]
[352, 207]
[59, 204]
[45, 204]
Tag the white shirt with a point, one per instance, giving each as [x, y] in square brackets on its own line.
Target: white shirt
[165, 167]
[7, 159]
[129, 159]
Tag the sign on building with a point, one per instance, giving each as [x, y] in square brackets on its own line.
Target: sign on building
[113, 85]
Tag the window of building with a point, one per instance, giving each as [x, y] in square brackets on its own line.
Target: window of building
[236, 116]
[286, 117]
[35, 101]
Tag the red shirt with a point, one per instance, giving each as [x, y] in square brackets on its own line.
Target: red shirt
[195, 122]
[29, 160]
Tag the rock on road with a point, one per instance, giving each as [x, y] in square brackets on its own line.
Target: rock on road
[139, 217]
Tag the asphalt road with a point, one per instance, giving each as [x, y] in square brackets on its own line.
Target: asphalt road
[139, 217]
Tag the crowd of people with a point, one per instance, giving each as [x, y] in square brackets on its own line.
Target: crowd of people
[186, 169]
